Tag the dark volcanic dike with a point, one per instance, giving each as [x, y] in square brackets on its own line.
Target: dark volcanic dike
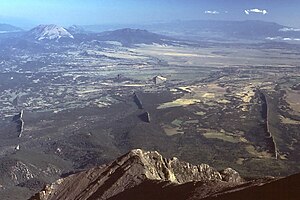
[270, 141]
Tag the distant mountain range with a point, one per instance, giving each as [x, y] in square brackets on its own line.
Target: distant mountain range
[76, 34]
[6, 28]
[226, 30]
[162, 33]
[219, 30]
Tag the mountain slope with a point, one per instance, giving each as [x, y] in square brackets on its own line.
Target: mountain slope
[6, 28]
[74, 29]
[137, 170]
[49, 32]
[147, 175]
[285, 188]
[129, 36]
[228, 30]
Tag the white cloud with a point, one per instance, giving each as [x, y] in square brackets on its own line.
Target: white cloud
[287, 39]
[212, 12]
[273, 38]
[289, 29]
[282, 39]
[256, 10]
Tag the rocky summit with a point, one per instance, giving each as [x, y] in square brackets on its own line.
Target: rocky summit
[136, 169]
[148, 175]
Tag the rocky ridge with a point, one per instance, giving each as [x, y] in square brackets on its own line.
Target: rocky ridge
[130, 171]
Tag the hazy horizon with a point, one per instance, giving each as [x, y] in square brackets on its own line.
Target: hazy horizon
[92, 12]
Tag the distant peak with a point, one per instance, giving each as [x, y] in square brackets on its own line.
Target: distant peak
[128, 36]
[8, 28]
[49, 32]
[131, 30]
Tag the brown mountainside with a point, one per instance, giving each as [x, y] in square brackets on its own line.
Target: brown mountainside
[147, 175]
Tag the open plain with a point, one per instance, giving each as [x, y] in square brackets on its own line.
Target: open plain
[70, 108]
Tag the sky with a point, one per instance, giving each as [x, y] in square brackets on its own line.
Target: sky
[90, 12]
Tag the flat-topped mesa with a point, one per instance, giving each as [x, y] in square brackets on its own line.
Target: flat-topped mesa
[129, 171]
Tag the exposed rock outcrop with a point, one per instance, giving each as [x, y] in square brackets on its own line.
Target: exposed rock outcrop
[270, 140]
[159, 80]
[132, 170]
[296, 86]
[18, 119]
[145, 117]
[137, 101]
[230, 175]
